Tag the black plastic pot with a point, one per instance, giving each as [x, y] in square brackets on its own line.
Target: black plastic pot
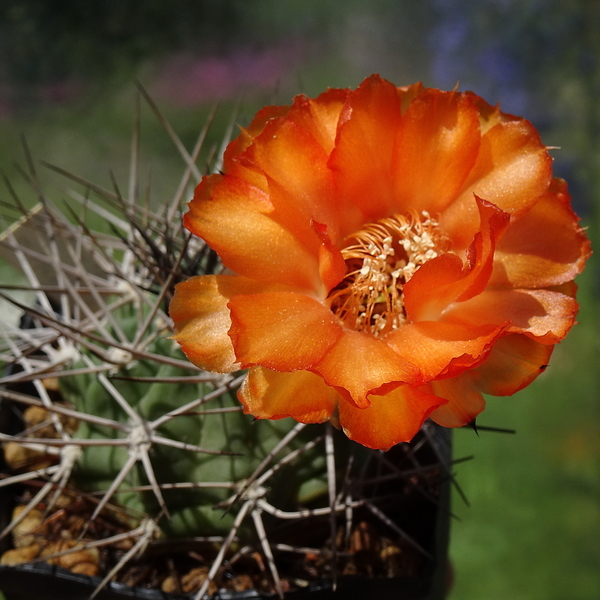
[44, 582]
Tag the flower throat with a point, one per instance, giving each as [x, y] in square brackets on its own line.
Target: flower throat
[380, 259]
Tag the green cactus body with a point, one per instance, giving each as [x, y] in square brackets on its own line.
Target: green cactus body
[296, 499]
[245, 444]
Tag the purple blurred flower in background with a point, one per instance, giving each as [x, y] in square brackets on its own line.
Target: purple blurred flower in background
[462, 55]
[187, 79]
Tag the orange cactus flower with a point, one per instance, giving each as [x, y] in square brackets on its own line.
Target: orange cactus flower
[394, 254]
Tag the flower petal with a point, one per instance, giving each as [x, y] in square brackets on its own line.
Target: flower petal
[359, 364]
[392, 418]
[320, 116]
[247, 135]
[489, 115]
[465, 401]
[480, 254]
[302, 395]
[544, 314]
[300, 184]
[433, 288]
[332, 266]
[513, 168]
[407, 93]
[435, 149]
[285, 331]
[441, 349]
[234, 218]
[443, 280]
[545, 247]
[199, 310]
[361, 160]
[514, 362]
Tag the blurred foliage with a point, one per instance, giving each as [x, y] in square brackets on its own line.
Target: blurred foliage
[94, 41]
[532, 529]
[46, 40]
[538, 58]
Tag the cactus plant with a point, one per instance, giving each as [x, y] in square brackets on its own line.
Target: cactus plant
[146, 462]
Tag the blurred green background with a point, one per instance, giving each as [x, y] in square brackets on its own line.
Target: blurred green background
[67, 72]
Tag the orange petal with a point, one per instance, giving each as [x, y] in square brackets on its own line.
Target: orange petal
[545, 247]
[514, 362]
[302, 395]
[489, 115]
[199, 310]
[407, 93]
[247, 135]
[285, 331]
[435, 149]
[320, 116]
[332, 266]
[543, 314]
[392, 418]
[442, 281]
[359, 364]
[361, 160]
[465, 401]
[480, 254]
[234, 218]
[441, 349]
[432, 288]
[512, 170]
[300, 184]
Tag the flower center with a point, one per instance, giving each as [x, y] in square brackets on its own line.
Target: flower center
[380, 259]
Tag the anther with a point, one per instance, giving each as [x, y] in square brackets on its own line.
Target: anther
[381, 259]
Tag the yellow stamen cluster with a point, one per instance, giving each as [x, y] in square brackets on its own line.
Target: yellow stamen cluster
[380, 259]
